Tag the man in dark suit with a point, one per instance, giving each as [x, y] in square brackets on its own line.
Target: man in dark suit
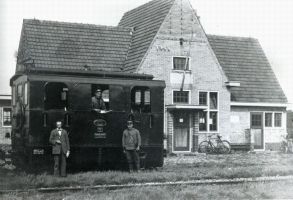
[60, 150]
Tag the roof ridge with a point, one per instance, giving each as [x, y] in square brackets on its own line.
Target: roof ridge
[233, 37]
[70, 24]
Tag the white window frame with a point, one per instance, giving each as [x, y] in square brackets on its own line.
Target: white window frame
[180, 70]
[208, 110]
[3, 116]
[189, 96]
[281, 119]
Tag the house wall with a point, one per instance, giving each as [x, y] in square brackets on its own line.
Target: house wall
[205, 73]
[240, 126]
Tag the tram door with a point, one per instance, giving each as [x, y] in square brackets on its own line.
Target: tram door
[181, 133]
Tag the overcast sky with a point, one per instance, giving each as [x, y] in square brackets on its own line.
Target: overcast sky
[270, 21]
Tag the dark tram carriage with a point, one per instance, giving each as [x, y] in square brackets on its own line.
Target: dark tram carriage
[43, 96]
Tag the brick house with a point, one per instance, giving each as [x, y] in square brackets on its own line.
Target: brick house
[214, 84]
[5, 119]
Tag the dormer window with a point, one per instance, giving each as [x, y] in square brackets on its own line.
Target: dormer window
[180, 63]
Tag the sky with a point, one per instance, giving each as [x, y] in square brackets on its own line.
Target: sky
[270, 21]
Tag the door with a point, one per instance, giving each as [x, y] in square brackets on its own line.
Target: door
[256, 122]
[181, 140]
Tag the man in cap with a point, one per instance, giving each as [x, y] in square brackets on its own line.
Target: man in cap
[98, 103]
[131, 142]
[60, 150]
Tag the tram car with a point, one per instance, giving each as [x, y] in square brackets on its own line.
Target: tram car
[42, 96]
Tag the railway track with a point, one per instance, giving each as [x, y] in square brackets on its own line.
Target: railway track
[152, 184]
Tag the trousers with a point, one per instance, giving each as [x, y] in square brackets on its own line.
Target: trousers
[60, 164]
[132, 159]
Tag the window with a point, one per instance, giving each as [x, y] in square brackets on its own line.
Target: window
[213, 100]
[268, 119]
[180, 63]
[256, 120]
[13, 96]
[56, 96]
[19, 92]
[100, 100]
[6, 116]
[141, 99]
[203, 98]
[213, 121]
[278, 119]
[202, 121]
[25, 94]
[208, 120]
[180, 97]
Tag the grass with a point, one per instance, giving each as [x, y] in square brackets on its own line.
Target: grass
[271, 190]
[181, 168]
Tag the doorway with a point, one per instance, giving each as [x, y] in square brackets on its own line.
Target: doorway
[181, 141]
[256, 125]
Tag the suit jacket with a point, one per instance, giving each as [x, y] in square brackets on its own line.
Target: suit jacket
[59, 148]
[98, 103]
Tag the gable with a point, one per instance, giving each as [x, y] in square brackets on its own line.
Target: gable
[72, 46]
[146, 21]
[244, 61]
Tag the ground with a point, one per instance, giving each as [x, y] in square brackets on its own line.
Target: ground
[176, 168]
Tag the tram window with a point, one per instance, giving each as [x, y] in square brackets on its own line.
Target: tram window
[25, 93]
[100, 92]
[56, 96]
[140, 99]
[19, 92]
[13, 95]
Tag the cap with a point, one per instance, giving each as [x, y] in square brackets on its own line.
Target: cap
[98, 90]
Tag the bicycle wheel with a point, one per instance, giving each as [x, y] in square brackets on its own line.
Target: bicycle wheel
[204, 147]
[224, 147]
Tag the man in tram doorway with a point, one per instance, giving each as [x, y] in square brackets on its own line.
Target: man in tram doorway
[98, 103]
[60, 150]
[131, 142]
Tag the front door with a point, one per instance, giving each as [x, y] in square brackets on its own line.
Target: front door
[181, 131]
[256, 120]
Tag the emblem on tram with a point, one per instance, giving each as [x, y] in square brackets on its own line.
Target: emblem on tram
[100, 124]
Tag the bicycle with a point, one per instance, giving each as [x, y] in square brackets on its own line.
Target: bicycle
[221, 146]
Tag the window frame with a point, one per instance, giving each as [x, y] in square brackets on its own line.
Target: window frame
[206, 93]
[271, 120]
[209, 110]
[183, 103]
[275, 113]
[141, 106]
[188, 64]
[3, 125]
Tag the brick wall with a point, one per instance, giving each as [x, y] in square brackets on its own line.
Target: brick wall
[205, 73]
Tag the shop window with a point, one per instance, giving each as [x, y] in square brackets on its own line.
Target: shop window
[278, 119]
[141, 99]
[56, 96]
[181, 97]
[6, 116]
[180, 63]
[213, 121]
[203, 98]
[268, 119]
[202, 121]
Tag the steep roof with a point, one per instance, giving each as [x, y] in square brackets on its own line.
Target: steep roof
[243, 60]
[72, 45]
[146, 21]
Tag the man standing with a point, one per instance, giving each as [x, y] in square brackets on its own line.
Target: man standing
[60, 150]
[98, 103]
[131, 142]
